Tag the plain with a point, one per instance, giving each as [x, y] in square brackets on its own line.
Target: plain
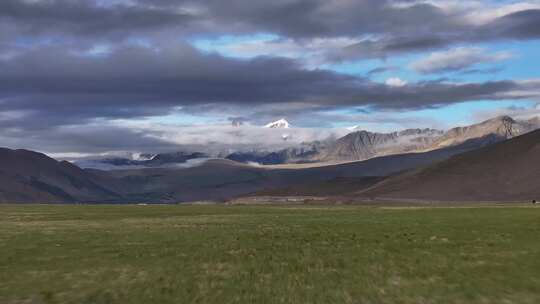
[269, 254]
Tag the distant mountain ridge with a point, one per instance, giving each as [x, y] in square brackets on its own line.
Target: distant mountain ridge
[144, 161]
[503, 127]
[306, 153]
[355, 146]
[362, 145]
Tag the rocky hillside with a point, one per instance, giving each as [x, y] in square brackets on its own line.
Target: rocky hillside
[508, 170]
[502, 127]
[364, 145]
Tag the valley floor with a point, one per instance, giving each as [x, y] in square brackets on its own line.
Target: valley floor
[268, 254]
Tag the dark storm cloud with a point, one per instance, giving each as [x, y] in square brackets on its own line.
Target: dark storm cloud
[393, 45]
[84, 17]
[521, 25]
[65, 88]
[320, 18]
[399, 26]
[96, 138]
[166, 19]
[134, 82]
[54, 87]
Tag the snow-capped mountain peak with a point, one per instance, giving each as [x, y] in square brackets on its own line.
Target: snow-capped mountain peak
[142, 156]
[278, 124]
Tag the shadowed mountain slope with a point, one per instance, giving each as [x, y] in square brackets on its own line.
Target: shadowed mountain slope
[27, 176]
[508, 170]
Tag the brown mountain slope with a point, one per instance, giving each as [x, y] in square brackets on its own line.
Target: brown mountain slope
[501, 127]
[505, 171]
[363, 145]
[27, 176]
[347, 179]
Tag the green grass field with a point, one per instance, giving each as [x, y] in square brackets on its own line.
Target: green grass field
[268, 254]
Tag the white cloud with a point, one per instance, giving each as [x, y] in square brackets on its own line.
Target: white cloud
[484, 15]
[228, 137]
[456, 59]
[474, 12]
[312, 52]
[395, 82]
[517, 112]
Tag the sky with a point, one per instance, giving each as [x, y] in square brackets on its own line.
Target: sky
[96, 77]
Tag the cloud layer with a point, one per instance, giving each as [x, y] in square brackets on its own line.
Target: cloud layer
[457, 59]
[71, 69]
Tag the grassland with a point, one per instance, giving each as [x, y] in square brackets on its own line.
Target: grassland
[268, 254]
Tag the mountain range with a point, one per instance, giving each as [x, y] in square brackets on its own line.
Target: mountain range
[493, 160]
[362, 145]
[216, 179]
[355, 146]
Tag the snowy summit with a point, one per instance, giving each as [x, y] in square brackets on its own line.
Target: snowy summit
[278, 124]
